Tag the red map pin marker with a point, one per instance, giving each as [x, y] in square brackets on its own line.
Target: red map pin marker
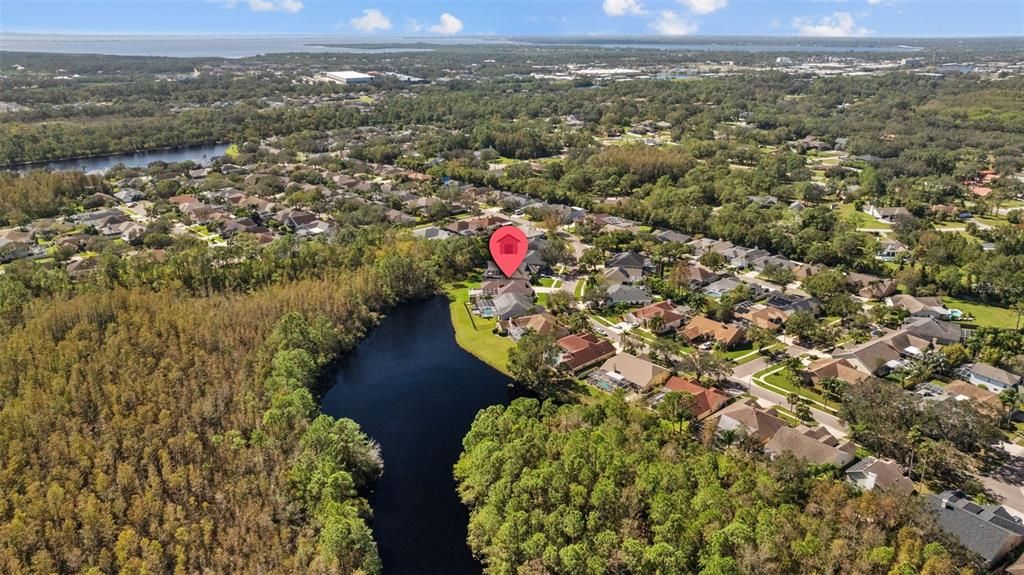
[508, 248]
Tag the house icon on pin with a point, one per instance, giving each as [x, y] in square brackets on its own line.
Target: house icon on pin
[508, 246]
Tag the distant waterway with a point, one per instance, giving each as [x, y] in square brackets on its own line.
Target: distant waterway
[416, 392]
[199, 154]
[182, 46]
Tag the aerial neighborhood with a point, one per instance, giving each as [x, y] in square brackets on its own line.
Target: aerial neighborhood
[797, 278]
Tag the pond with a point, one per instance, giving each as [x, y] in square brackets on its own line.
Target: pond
[199, 154]
[416, 392]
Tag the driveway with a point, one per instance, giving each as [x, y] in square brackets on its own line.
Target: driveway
[1007, 483]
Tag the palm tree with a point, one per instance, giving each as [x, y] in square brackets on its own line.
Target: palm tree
[1019, 308]
[1010, 398]
[656, 324]
[833, 388]
[577, 322]
[794, 399]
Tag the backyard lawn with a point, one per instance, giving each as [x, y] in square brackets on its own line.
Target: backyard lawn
[861, 219]
[473, 333]
[984, 315]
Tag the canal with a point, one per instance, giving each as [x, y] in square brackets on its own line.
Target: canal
[416, 392]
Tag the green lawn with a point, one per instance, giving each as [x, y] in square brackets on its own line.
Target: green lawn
[474, 334]
[861, 219]
[581, 286]
[787, 416]
[984, 315]
[547, 282]
[994, 222]
[738, 351]
[782, 381]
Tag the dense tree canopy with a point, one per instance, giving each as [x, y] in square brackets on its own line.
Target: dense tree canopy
[610, 489]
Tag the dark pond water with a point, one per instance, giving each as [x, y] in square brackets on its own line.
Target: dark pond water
[416, 392]
[198, 154]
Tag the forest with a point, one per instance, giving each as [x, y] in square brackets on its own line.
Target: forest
[604, 488]
[150, 429]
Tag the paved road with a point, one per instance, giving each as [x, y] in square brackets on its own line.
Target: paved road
[744, 376]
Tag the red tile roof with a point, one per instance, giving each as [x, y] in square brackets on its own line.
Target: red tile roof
[584, 350]
[707, 400]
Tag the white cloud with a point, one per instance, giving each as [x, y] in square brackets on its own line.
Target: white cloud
[290, 6]
[704, 6]
[671, 24]
[372, 19]
[623, 7]
[875, 2]
[447, 25]
[838, 24]
[413, 25]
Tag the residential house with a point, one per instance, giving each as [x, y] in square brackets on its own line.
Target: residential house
[702, 328]
[432, 233]
[701, 246]
[746, 416]
[482, 225]
[804, 271]
[81, 267]
[984, 400]
[670, 317]
[830, 367]
[73, 242]
[666, 236]
[129, 195]
[542, 323]
[791, 303]
[621, 275]
[628, 372]
[871, 287]
[499, 286]
[764, 317]
[632, 261]
[874, 473]
[918, 306]
[293, 218]
[992, 378]
[581, 351]
[628, 295]
[183, 200]
[890, 250]
[773, 261]
[763, 201]
[693, 274]
[721, 287]
[510, 305]
[814, 445]
[936, 330]
[706, 400]
[314, 228]
[740, 257]
[886, 214]
[884, 354]
[128, 231]
[988, 530]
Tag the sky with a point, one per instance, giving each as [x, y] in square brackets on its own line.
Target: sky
[383, 18]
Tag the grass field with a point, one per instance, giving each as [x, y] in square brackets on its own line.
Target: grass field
[984, 315]
[861, 219]
[473, 333]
